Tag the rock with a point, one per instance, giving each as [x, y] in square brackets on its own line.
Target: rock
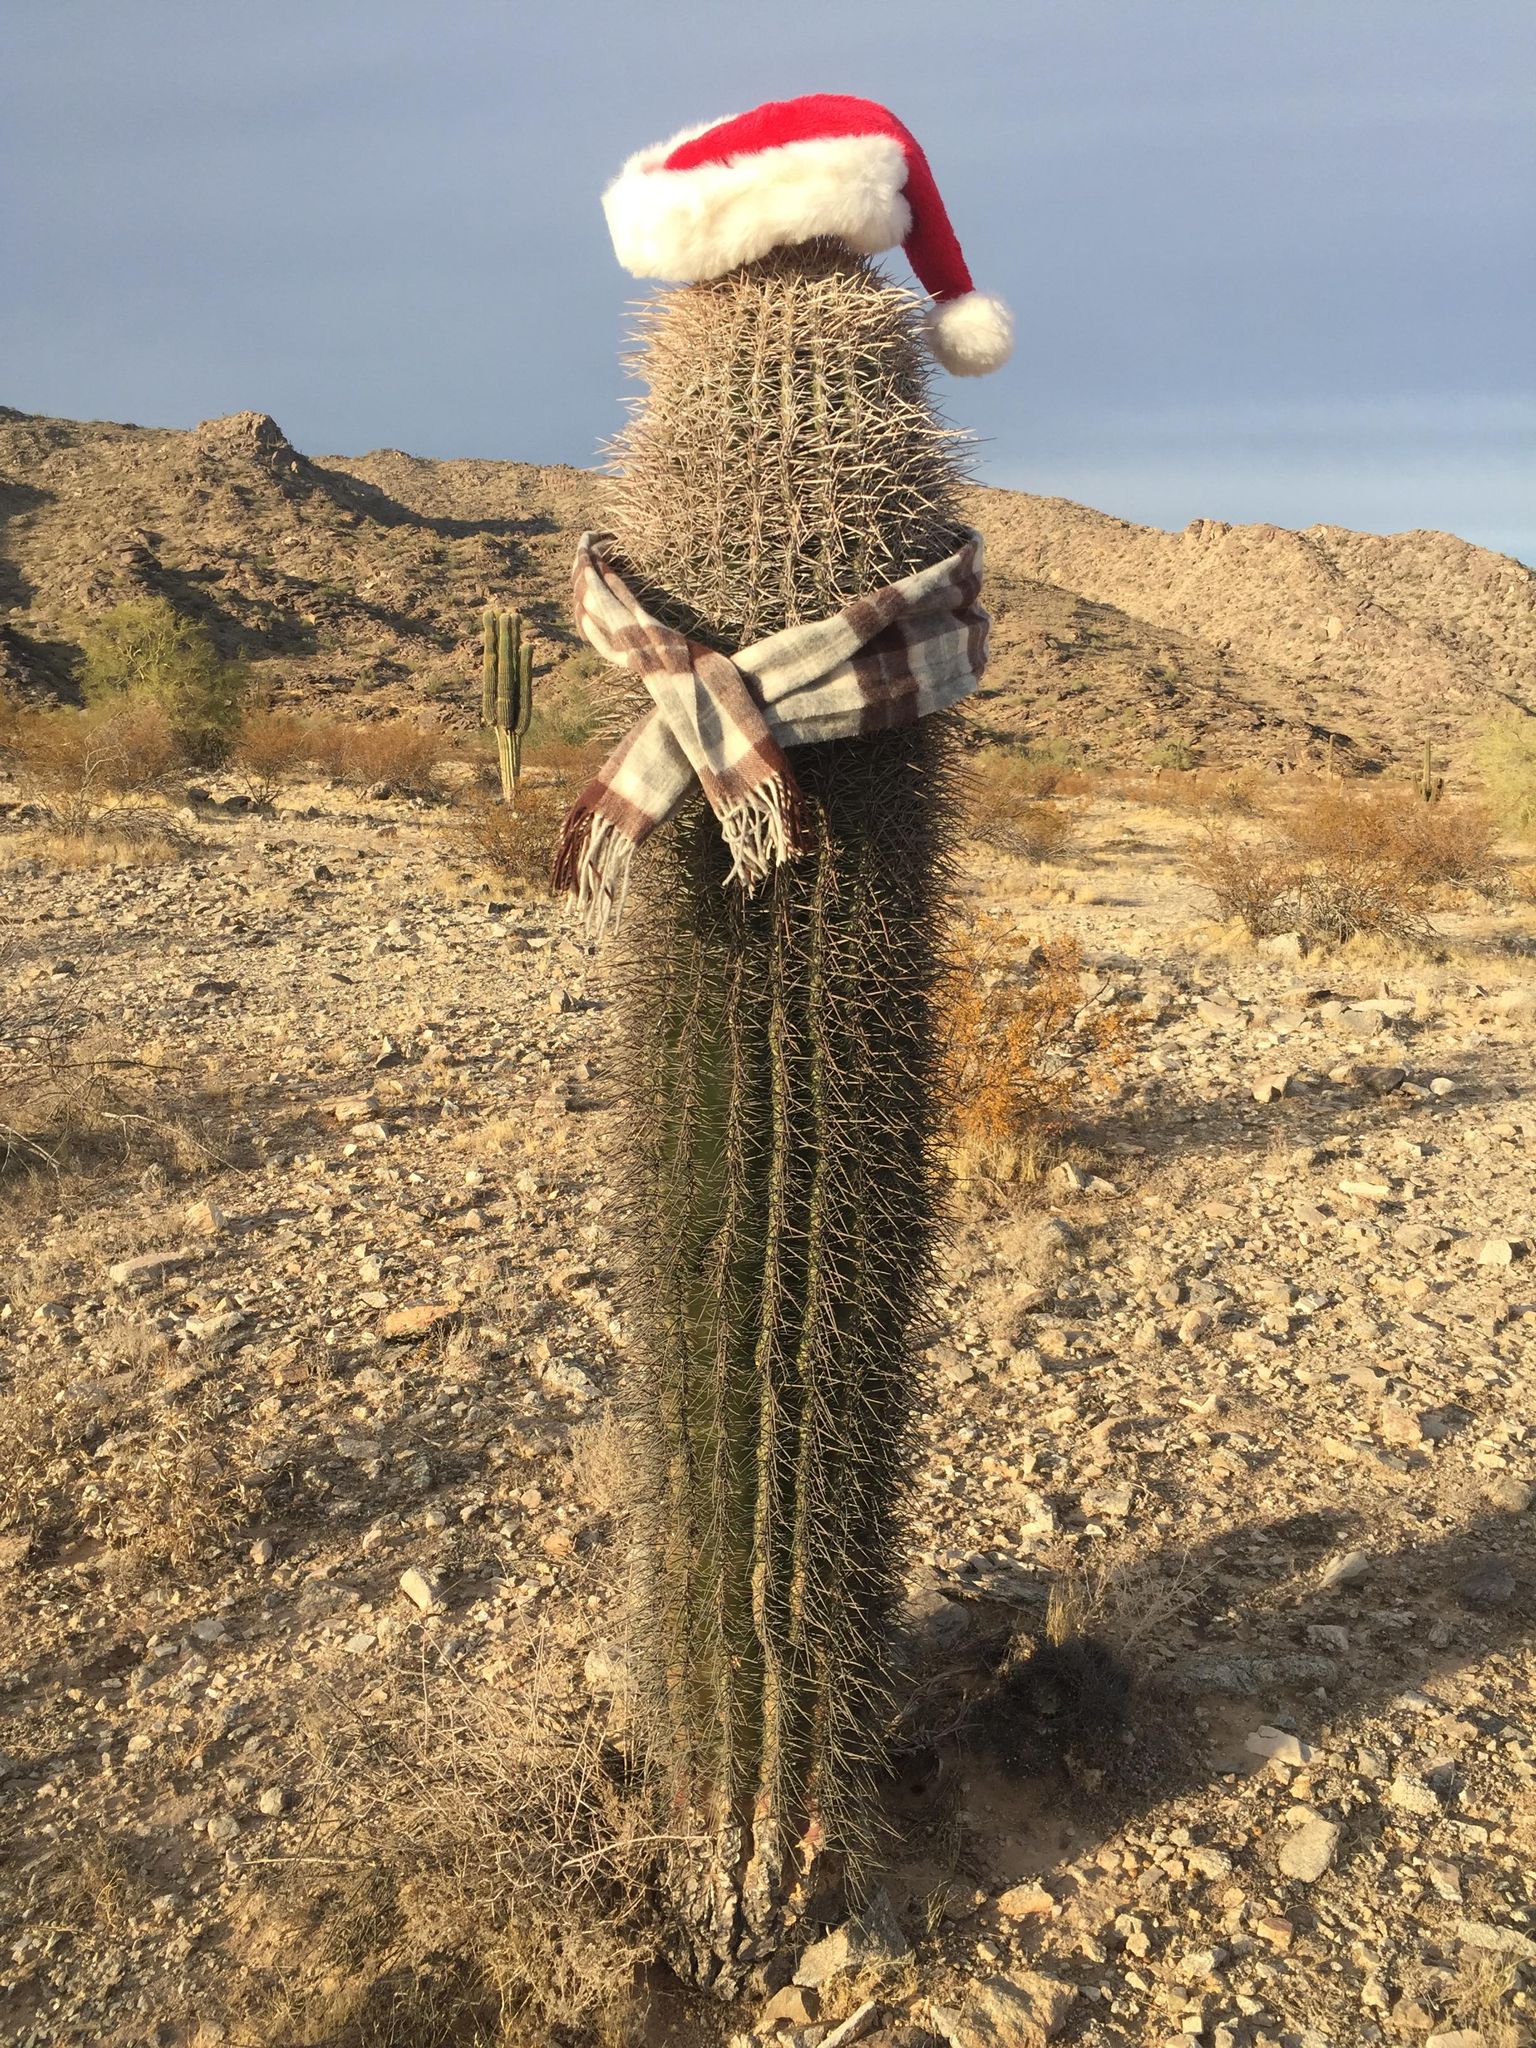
[1272, 1087]
[262, 1551]
[1489, 1584]
[871, 1941]
[1021, 2011]
[1396, 1424]
[207, 1219]
[1501, 1251]
[1275, 1929]
[1366, 1190]
[1345, 1569]
[1458, 2037]
[1209, 1863]
[1066, 1175]
[796, 2005]
[271, 1801]
[1410, 1795]
[1515, 1002]
[1383, 1080]
[148, 1268]
[417, 1320]
[355, 1109]
[1292, 946]
[606, 1671]
[1309, 1850]
[857, 2027]
[1496, 1941]
[1025, 1902]
[1442, 1085]
[420, 1589]
[1280, 1747]
[1513, 1495]
[1197, 1324]
[223, 1829]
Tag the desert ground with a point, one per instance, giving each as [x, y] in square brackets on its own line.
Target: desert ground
[312, 1492]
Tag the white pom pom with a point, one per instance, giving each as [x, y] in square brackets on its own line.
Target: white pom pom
[971, 335]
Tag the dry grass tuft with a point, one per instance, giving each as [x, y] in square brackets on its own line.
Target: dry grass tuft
[1026, 1047]
[110, 1460]
[70, 1096]
[480, 1868]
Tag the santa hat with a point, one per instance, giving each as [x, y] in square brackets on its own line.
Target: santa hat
[792, 170]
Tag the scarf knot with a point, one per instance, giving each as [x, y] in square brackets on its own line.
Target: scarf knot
[726, 721]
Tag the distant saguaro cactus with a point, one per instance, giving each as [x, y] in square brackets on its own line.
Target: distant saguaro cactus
[506, 691]
[783, 1083]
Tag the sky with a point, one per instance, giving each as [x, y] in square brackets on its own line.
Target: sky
[1270, 259]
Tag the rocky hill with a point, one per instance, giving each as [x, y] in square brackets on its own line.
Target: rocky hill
[345, 576]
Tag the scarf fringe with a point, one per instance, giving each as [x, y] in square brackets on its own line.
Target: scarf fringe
[763, 828]
[592, 863]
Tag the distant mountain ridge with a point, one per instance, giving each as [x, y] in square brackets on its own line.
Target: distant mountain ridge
[364, 576]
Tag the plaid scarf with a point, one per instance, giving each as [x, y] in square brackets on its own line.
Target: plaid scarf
[884, 660]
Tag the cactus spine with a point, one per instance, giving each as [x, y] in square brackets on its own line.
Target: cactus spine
[783, 1086]
[506, 691]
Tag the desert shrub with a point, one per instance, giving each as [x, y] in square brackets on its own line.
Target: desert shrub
[1506, 756]
[1250, 879]
[270, 747]
[519, 841]
[1428, 846]
[1004, 809]
[1026, 1048]
[145, 649]
[85, 767]
[1329, 895]
[1233, 791]
[404, 755]
[1176, 754]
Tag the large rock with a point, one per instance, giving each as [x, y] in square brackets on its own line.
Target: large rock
[871, 1941]
[1022, 2011]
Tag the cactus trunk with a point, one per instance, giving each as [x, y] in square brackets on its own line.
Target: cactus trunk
[782, 1097]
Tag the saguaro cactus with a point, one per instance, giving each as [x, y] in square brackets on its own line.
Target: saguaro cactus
[782, 1088]
[506, 691]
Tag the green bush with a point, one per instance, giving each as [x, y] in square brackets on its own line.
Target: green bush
[144, 648]
[1506, 754]
[1172, 754]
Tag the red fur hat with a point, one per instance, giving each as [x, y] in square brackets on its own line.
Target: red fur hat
[788, 172]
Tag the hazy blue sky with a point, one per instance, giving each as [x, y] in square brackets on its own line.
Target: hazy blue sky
[1271, 259]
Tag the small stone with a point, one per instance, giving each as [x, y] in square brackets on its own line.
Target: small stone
[1025, 1902]
[1345, 1569]
[859, 2023]
[417, 1320]
[870, 1941]
[1445, 1878]
[1309, 1850]
[1272, 1087]
[354, 1109]
[1442, 1085]
[1399, 1425]
[1458, 2037]
[271, 1801]
[1280, 1747]
[1366, 1190]
[1275, 1929]
[207, 1219]
[1210, 1863]
[1022, 2011]
[1500, 1251]
[796, 2005]
[606, 1671]
[147, 1268]
[1197, 1324]
[1496, 1941]
[222, 1830]
[1409, 1795]
[1383, 1080]
[421, 1590]
[262, 1551]
[1513, 1495]
[1490, 1584]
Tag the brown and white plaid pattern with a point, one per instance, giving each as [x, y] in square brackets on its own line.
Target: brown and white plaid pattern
[884, 660]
